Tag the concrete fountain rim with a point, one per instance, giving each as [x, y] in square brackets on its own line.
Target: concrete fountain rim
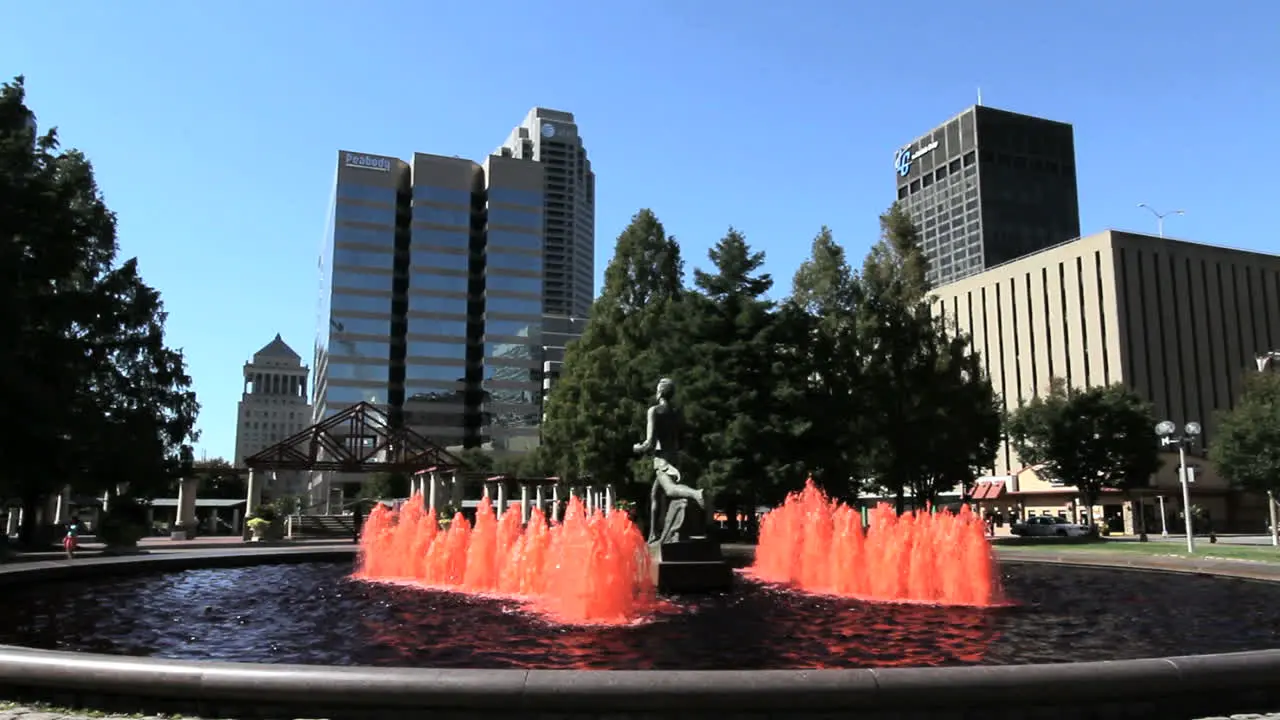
[215, 688]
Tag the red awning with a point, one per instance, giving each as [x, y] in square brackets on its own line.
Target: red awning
[987, 490]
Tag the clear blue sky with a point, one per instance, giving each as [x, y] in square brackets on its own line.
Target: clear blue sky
[213, 125]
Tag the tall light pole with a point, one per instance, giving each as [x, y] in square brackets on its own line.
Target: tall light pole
[1168, 433]
[1266, 361]
[1160, 216]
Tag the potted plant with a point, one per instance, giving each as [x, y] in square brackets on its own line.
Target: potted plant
[266, 512]
[123, 526]
[258, 528]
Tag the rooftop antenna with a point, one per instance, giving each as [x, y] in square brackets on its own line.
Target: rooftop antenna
[979, 94]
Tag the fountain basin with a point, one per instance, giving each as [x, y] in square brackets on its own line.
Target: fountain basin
[1191, 686]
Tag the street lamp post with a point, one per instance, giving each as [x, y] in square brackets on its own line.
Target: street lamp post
[1168, 433]
[1265, 361]
[1160, 216]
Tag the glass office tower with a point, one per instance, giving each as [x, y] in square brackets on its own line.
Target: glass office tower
[354, 347]
[438, 275]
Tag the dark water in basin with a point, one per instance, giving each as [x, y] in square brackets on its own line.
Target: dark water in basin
[313, 614]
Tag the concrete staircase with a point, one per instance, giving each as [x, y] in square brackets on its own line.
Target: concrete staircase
[323, 527]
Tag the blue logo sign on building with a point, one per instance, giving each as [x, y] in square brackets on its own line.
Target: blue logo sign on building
[902, 161]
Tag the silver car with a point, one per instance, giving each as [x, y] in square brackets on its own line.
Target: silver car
[1048, 527]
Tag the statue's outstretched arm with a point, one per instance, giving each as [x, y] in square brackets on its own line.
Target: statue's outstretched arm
[649, 439]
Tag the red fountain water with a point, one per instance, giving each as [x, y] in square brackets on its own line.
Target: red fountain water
[818, 545]
[592, 568]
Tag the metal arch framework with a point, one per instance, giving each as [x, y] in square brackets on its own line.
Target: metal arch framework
[357, 439]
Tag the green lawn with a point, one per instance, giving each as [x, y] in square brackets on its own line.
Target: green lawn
[1204, 549]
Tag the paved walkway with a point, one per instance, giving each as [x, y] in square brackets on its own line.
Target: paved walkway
[1248, 569]
[165, 545]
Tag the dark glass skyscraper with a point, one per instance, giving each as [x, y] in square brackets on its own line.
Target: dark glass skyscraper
[989, 186]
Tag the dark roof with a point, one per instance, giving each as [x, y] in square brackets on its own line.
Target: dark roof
[277, 348]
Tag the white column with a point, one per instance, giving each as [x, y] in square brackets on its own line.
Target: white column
[608, 499]
[62, 507]
[14, 524]
[433, 481]
[524, 503]
[502, 497]
[253, 497]
[539, 500]
[187, 488]
[1275, 531]
[106, 503]
[590, 496]
[555, 503]
[455, 492]
[235, 519]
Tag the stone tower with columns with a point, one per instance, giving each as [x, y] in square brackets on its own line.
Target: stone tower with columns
[274, 405]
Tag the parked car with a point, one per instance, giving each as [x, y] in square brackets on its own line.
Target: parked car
[1048, 527]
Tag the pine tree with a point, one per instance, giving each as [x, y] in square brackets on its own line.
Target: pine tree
[596, 411]
[935, 421]
[740, 387]
[822, 317]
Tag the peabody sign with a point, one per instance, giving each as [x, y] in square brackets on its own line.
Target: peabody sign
[367, 162]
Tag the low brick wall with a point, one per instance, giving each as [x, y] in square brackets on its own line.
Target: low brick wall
[1166, 688]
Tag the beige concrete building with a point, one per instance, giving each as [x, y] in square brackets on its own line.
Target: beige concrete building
[1179, 322]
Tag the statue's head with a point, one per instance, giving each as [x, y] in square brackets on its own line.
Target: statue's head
[666, 389]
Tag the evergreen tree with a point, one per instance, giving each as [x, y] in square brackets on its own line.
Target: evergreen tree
[894, 325]
[935, 418]
[88, 388]
[820, 324]
[596, 412]
[1093, 438]
[741, 387]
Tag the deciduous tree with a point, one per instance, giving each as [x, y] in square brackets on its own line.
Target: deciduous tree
[1092, 438]
[90, 393]
[1246, 447]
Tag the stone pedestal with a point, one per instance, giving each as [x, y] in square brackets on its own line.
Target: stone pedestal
[690, 566]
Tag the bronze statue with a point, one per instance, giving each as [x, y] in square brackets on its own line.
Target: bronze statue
[662, 438]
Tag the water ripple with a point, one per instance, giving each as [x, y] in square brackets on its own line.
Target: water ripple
[315, 614]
